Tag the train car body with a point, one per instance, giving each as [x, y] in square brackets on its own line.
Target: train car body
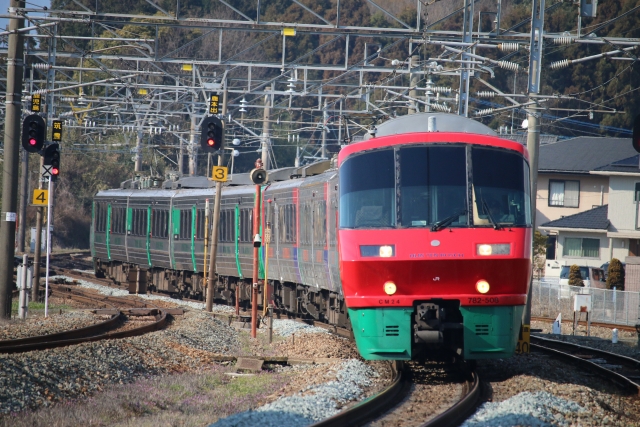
[419, 241]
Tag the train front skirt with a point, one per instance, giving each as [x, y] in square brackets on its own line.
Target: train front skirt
[489, 332]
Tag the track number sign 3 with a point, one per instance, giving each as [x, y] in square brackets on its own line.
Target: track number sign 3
[219, 173]
[40, 197]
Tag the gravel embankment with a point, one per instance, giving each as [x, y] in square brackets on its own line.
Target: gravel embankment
[538, 390]
[311, 404]
[106, 290]
[35, 326]
[33, 379]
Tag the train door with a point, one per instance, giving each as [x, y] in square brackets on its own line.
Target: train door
[138, 229]
[332, 234]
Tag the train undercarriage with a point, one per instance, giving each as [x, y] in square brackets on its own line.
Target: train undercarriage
[289, 299]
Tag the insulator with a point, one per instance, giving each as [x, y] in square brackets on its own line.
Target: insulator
[42, 66]
[509, 65]
[562, 40]
[508, 47]
[440, 89]
[560, 64]
[26, 98]
[40, 91]
[485, 94]
[440, 107]
[484, 112]
[67, 99]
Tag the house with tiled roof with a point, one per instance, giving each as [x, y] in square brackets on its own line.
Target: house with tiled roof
[566, 188]
[581, 238]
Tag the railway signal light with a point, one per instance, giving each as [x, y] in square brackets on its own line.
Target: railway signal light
[52, 160]
[34, 131]
[635, 139]
[212, 134]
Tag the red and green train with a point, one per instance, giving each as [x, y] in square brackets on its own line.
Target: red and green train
[418, 238]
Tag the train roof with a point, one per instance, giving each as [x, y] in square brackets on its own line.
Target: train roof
[440, 122]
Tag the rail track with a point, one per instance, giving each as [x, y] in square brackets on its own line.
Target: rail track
[100, 331]
[593, 324]
[619, 369]
[359, 414]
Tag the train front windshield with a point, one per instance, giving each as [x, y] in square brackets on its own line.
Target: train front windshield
[434, 185]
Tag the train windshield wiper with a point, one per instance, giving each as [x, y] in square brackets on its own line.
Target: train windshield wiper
[496, 225]
[448, 220]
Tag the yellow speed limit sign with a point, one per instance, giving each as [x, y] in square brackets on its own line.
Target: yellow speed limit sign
[40, 197]
[219, 173]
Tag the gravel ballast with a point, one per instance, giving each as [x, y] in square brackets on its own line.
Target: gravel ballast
[311, 404]
[39, 378]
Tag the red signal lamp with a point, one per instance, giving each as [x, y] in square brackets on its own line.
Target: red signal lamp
[55, 171]
[32, 141]
[211, 142]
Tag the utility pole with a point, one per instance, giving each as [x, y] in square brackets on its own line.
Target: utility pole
[266, 128]
[466, 67]
[192, 146]
[13, 104]
[138, 166]
[216, 222]
[325, 118]
[413, 83]
[533, 134]
[256, 269]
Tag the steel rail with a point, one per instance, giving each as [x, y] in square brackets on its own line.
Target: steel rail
[373, 406]
[561, 349]
[67, 338]
[456, 414]
[584, 323]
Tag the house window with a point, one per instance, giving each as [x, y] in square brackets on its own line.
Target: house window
[564, 193]
[581, 248]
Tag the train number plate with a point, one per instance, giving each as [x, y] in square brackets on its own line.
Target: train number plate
[484, 300]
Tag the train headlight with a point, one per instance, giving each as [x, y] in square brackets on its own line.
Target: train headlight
[482, 286]
[382, 251]
[493, 249]
[389, 288]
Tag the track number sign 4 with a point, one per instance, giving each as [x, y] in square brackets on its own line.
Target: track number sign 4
[219, 173]
[40, 197]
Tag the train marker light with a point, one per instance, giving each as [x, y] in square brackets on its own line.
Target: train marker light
[493, 249]
[389, 288]
[386, 251]
[382, 251]
[482, 286]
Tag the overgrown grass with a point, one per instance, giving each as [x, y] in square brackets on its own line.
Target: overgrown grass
[38, 307]
[176, 400]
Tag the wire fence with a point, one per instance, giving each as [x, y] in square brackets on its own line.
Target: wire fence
[617, 307]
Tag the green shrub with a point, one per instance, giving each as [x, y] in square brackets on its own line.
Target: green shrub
[615, 276]
[575, 279]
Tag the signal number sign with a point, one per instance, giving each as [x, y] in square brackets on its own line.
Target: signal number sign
[214, 103]
[219, 173]
[524, 341]
[40, 197]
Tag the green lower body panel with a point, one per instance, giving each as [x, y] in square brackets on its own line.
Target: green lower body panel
[382, 333]
[491, 332]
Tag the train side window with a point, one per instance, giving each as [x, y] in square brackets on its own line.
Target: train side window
[100, 219]
[226, 226]
[139, 226]
[118, 220]
[246, 225]
[185, 224]
[200, 224]
[160, 222]
[288, 224]
[320, 223]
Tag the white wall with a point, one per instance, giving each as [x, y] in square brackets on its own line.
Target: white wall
[552, 268]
